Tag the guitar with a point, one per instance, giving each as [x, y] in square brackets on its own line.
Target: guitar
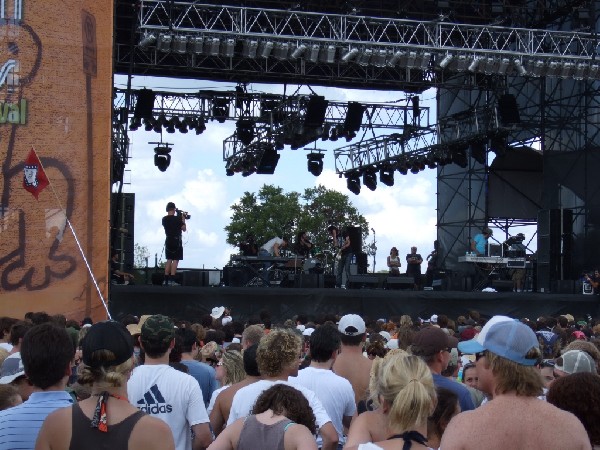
[594, 284]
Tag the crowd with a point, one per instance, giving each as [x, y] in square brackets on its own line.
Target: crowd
[329, 382]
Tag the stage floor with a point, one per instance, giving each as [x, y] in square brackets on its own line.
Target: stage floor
[190, 303]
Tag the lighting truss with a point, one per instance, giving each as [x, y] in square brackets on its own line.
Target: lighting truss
[335, 36]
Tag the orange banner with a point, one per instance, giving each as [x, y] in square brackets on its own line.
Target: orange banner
[55, 97]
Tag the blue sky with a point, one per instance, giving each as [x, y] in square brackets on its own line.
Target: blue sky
[402, 215]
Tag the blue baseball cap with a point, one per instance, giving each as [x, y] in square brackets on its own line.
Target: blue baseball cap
[475, 345]
[511, 340]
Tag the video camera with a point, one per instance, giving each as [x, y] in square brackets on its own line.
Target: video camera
[183, 214]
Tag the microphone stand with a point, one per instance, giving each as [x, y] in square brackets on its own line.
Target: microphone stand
[374, 247]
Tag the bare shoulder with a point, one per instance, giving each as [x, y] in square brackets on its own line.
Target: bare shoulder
[299, 437]
[151, 433]
[460, 429]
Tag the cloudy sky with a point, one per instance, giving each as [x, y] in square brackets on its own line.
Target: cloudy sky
[402, 215]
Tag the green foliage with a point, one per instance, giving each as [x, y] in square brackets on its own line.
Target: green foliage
[271, 212]
[140, 253]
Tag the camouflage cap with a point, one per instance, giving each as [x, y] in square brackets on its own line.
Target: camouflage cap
[158, 328]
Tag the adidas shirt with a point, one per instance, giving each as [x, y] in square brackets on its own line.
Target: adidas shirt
[171, 395]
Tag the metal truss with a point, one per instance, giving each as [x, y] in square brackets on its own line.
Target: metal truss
[192, 33]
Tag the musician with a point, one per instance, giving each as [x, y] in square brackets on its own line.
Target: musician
[393, 262]
[117, 276]
[594, 280]
[249, 247]
[413, 266]
[274, 246]
[344, 255]
[303, 246]
[432, 263]
[480, 241]
[174, 225]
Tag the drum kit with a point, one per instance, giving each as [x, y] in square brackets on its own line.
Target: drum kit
[318, 261]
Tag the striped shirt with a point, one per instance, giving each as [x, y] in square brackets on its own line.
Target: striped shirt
[20, 425]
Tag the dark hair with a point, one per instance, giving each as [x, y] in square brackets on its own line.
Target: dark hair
[444, 411]
[8, 393]
[286, 401]
[6, 323]
[46, 352]
[40, 317]
[442, 321]
[323, 342]
[187, 339]
[352, 341]
[376, 348]
[579, 394]
[18, 330]
[154, 348]
[176, 351]
[215, 335]
[250, 364]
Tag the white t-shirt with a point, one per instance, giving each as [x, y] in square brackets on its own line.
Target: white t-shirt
[269, 245]
[213, 398]
[171, 395]
[5, 345]
[334, 392]
[244, 399]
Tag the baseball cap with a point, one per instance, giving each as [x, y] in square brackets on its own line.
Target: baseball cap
[217, 312]
[308, 331]
[487, 231]
[511, 340]
[352, 325]
[12, 368]
[107, 335]
[475, 345]
[434, 318]
[431, 340]
[158, 328]
[468, 334]
[575, 361]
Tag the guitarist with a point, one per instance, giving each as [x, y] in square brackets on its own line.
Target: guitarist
[594, 280]
[341, 241]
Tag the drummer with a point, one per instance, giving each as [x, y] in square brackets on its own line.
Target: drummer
[303, 246]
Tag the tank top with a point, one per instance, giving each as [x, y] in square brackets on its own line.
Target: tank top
[258, 435]
[84, 436]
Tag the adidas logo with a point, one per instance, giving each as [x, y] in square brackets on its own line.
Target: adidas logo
[153, 402]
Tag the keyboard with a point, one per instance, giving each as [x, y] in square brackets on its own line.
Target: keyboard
[271, 259]
[514, 263]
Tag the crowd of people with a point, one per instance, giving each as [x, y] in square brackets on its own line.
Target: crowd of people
[326, 382]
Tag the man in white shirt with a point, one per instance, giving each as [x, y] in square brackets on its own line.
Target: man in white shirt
[278, 357]
[164, 392]
[273, 247]
[333, 391]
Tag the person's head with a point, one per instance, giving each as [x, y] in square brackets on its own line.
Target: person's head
[188, 339]
[157, 337]
[230, 369]
[252, 335]
[413, 250]
[487, 232]
[18, 330]
[352, 330]
[469, 376]
[547, 372]
[446, 408]
[286, 401]
[434, 346]
[579, 394]
[170, 207]
[405, 389]
[285, 241]
[394, 251]
[5, 324]
[250, 364]
[507, 353]
[588, 347]
[47, 352]
[107, 352]
[9, 396]
[324, 343]
[406, 321]
[573, 361]
[278, 353]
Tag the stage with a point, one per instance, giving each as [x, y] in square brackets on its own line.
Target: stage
[190, 303]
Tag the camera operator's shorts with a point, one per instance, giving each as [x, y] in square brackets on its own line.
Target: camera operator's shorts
[173, 248]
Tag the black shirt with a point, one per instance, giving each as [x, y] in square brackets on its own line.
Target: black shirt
[172, 225]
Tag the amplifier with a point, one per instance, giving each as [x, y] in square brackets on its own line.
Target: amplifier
[516, 263]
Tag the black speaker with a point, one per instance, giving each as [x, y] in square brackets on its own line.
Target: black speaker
[194, 278]
[399, 283]
[309, 280]
[237, 276]
[145, 104]
[354, 117]
[502, 285]
[555, 247]
[361, 263]
[363, 281]
[355, 234]
[268, 162]
[158, 278]
[508, 110]
[315, 111]
[563, 287]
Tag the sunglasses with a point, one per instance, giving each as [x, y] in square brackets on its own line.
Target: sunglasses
[479, 355]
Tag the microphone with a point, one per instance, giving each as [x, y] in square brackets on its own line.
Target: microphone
[373, 230]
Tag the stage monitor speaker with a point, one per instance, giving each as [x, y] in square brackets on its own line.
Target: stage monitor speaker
[563, 287]
[329, 281]
[310, 280]
[158, 278]
[400, 283]
[237, 276]
[363, 281]
[194, 278]
[355, 234]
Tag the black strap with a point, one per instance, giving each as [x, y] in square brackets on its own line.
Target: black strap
[408, 437]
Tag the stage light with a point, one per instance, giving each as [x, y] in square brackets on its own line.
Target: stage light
[164, 42]
[147, 40]
[201, 126]
[135, 123]
[220, 109]
[196, 44]
[461, 63]
[458, 153]
[215, 44]
[328, 54]
[315, 163]
[386, 176]
[281, 51]
[365, 57]
[353, 183]
[180, 44]
[249, 48]
[158, 124]
[403, 167]
[370, 179]
[314, 53]
[473, 66]
[229, 48]
[298, 51]
[162, 157]
[229, 172]
[325, 132]
[334, 134]
[245, 131]
[567, 69]
[519, 66]
[183, 125]
[148, 124]
[410, 60]
[446, 61]
[349, 55]
[171, 126]
[396, 57]
[379, 58]
[503, 65]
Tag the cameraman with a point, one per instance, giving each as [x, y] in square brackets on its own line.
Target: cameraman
[173, 225]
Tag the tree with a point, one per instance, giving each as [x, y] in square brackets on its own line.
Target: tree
[271, 212]
[140, 255]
